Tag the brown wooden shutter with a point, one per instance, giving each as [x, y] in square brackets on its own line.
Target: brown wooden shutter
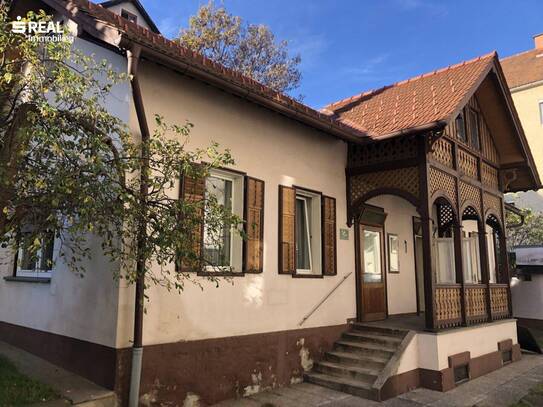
[253, 246]
[287, 228]
[329, 253]
[193, 190]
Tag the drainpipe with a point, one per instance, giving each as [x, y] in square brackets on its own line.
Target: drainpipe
[133, 56]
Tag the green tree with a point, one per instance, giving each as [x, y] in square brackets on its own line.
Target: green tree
[70, 167]
[529, 233]
[248, 48]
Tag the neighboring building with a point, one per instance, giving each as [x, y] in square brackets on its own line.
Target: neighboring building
[380, 222]
[527, 288]
[524, 74]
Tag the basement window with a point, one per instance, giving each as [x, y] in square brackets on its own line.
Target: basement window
[507, 356]
[461, 374]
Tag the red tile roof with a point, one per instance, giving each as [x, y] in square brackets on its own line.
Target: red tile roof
[524, 68]
[135, 33]
[414, 103]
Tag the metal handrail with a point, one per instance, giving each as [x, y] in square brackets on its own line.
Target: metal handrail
[324, 299]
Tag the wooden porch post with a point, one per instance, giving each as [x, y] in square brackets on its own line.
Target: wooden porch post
[485, 270]
[505, 261]
[459, 265]
[426, 223]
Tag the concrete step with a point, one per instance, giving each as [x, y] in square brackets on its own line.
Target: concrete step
[353, 359]
[361, 336]
[393, 332]
[350, 386]
[368, 348]
[363, 374]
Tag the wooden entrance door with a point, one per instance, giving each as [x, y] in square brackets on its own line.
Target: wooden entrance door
[372, 273]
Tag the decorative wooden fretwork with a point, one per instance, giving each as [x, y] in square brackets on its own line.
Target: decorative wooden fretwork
[492, 202]
[499, 302]
[445, 217]
[489, 176]
[470, 193]
[404, 179]
[442, 152]
[399, 148]
[467, 164]
[476, 304]
[470, 213]
[448, 306]
[441, 181]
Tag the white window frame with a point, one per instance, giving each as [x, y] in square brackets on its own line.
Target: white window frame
[540, 105]
[36, 273]
[314, 229]
[236, 242]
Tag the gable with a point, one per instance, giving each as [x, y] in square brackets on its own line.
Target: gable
[134, 8]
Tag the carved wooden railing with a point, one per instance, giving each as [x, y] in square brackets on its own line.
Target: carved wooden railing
[476, 307]
[448, 307]
[499, 301]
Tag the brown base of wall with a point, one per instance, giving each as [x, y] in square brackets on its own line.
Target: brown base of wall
[443, 380]
[95, 362]
[213, 369]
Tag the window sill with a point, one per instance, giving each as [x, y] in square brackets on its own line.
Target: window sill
[307, 276]
[39, 280]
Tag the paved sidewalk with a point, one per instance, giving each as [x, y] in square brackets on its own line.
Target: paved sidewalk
[497, 389]
[73, 389]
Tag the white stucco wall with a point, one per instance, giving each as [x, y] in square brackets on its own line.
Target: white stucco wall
[401, 287]
[527, 297]
[527, 105]
[431, 351]
[279, 151]
[82, 308]
[131, 9]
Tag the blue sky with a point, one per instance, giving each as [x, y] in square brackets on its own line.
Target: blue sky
[350, 46]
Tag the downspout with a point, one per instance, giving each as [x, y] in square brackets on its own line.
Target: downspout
[133, 56]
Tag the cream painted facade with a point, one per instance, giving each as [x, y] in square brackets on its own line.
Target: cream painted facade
[431, 350]
[279, 151]
[401, 287]
[85, 308]
[527, 99]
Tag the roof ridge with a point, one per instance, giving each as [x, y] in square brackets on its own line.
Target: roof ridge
[521, 53]
[347, 101]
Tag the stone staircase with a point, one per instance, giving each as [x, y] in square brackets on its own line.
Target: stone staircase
[360, 360]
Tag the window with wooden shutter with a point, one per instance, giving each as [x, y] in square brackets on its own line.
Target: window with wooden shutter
[253, 248]
[329, 252]
[192, 190]
[287, 224]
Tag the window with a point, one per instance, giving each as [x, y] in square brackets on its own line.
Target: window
[308, 232]
[222, 244]
[35, 263]
[474, 129]
[393, 253]
[461, 374]
[129, 16]
[541, 112]
[461, 127]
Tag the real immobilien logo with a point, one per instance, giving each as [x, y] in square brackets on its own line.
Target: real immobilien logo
[41, 31]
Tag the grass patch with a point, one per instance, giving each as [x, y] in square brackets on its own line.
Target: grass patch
[16, 389]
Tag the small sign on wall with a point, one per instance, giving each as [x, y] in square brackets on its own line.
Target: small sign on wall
[344, 234]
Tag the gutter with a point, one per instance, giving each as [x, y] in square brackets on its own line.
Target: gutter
[133, 57]
[513, 209]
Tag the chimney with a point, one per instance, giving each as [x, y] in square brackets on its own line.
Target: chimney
[538, 41]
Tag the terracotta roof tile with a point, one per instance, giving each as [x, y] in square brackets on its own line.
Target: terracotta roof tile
[171, 48]
[415, 102]
[524, 68]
